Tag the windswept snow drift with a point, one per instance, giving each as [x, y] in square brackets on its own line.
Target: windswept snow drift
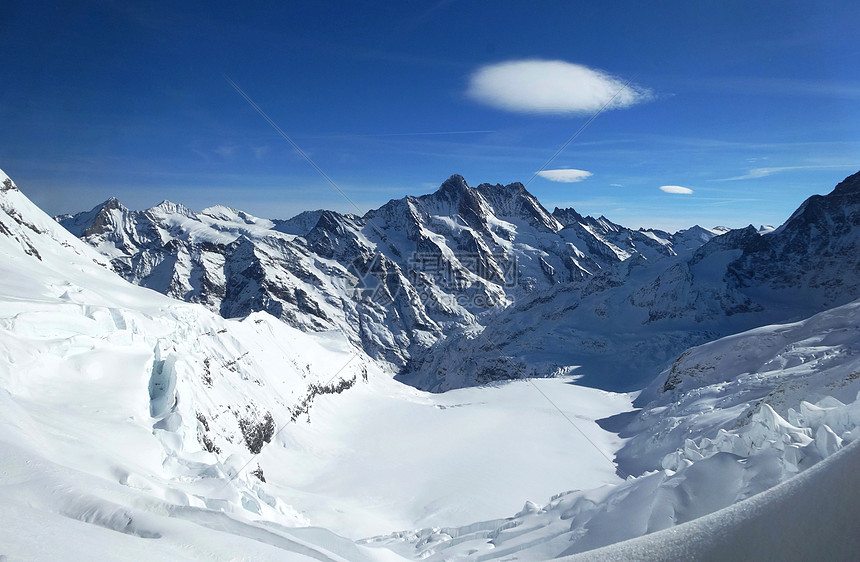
[813, 516]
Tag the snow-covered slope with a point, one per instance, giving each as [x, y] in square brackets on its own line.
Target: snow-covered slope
[127, 415]
[719, 385]
[813, 516]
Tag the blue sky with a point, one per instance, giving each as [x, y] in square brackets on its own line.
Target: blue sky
[752, 106]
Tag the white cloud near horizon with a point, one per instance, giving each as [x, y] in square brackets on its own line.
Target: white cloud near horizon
[565, 175]
[679, 189]
[552, 86]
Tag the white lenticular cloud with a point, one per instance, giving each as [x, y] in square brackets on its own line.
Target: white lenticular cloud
[541, 86]
[565, 175]
[676, 189]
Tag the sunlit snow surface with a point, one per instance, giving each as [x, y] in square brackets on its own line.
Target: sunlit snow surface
[110, 396]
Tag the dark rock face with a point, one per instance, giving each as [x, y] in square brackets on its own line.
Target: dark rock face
[815, 255]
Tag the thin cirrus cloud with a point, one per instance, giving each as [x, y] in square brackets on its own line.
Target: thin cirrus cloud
[679, 189]
[552, 86]
[756, 173]
[565, 175]
[226, 150]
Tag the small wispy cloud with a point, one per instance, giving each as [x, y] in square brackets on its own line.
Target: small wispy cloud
[565, 175]
[818, 88]
[260, 152]
[615, 185]
[756, 173]
[226, 150]
[679, 189]
[552, 86]
[762, 172]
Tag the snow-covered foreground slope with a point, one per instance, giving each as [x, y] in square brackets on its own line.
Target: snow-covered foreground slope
[732, 418]
[130, 421]
[814, 516]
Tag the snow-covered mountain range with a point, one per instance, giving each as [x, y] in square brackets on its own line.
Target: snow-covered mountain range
[631, 318]
[488, 274]
[395, 281]
[261, 419]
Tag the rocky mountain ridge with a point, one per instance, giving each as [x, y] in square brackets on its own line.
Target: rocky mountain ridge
[630, 319]
[396, 280]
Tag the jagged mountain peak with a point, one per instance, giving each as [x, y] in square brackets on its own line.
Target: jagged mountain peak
[567, 215]
[695, 229]
[570, 216]
[112, 203]
[474, 205]
[848, 186]
[300, 224]
[98, 220]
[828, 211]
[815, 251]
[331, 221]
[454, 185]
[515, 201]
[735, 239]
[608, 224]
[169, 207]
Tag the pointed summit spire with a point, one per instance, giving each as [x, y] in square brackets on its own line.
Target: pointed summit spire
[455, 185]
